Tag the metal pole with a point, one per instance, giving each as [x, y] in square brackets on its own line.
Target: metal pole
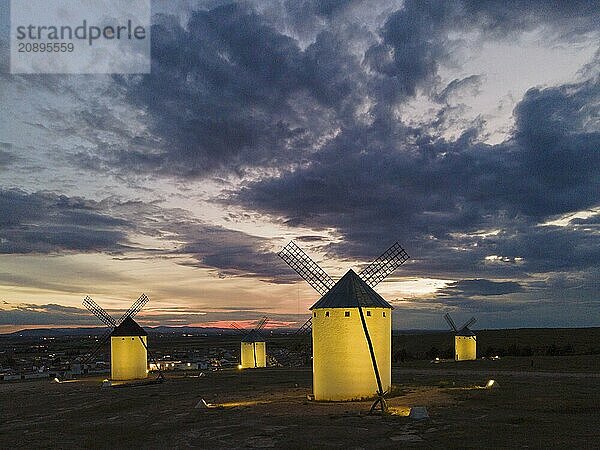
[370, 344]
[380, 393]
[161, 376]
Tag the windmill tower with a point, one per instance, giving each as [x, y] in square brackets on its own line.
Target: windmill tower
[253, 349]
[351, 327]
[128, 341]
[465, 341]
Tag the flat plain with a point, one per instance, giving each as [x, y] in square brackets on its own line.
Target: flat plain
[547, 406]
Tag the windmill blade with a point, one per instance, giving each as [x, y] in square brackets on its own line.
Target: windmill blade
[261, 324]
[259, 327]
[470, 322]
[384, 265]
[99, 312]
[305, 328]
[306, 268]
[161, 375]
[237, 328]
[98, 346]
[297, 341]
[135, 308]
[450, 321]
[300, 334]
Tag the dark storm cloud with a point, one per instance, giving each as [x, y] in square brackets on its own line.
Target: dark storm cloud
[305, 17]
[458, 86]
[415, 40]
[221, 92]
[310, 238]
[49, 314]
[56, 315]
[591, 221]
[491, 306]
[547, 248]
[231, 91]
[481, 287]
[8, 156]
[232, 253]
[436, 194]
[48, 223]
[227, 92]
[6, 159]
[320, 8]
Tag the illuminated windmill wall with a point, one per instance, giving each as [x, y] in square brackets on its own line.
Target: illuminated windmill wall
[465, 341]
[351, 327]
[128, 341]
[128, 354]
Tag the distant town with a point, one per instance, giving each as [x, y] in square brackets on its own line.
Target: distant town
[64, 353]
[67, 353]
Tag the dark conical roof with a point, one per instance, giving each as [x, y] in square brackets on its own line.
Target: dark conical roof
[254, 336]
[347, 293]
[129, 327]
[464, 332]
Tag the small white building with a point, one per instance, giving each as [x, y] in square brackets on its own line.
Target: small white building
[253, 351]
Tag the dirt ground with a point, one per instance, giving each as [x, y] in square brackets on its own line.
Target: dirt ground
[264, 408]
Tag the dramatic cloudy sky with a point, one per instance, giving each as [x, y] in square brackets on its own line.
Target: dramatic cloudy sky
[467, 130]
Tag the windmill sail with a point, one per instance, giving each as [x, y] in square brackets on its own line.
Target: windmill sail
[306, 268]
[296, 343]
[101, 342]
[450, 321]
[261, 324]
[135, 308]
[384, 265]
[99, 312]
[126, 322]
[467, 324]
[237, 328]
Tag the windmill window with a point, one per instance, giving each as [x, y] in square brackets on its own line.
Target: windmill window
[314, 314]
[384, 314]
[326, 313]
[346, 313]
[369, 313]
